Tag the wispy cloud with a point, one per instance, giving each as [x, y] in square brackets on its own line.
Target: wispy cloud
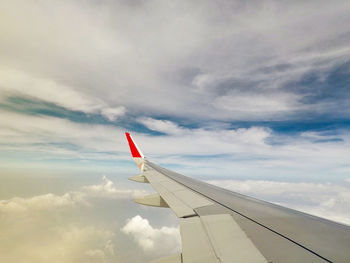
[251, 152]
[321, 199]
[246, 58]
[17, 83]
[163, 126]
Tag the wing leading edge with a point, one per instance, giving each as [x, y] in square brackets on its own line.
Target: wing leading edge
[217, 225]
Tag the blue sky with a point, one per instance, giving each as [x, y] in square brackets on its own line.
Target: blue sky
[251, 96]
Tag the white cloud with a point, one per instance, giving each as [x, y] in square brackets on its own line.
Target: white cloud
[38, 133]
[201, 141]
[165, 126]
[45, 229]
[17, 83]
[25, 129]
[247, 151]
[69, 200]
[85, 243]
[113, 113]
[107, 189]
[255, 106]
[150, 239]
[22, 84]
[42, 202]
[64, 228]
[327, 200]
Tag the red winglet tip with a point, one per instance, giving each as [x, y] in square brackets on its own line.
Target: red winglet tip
[133, 148]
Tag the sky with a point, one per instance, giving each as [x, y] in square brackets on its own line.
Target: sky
[251, 96]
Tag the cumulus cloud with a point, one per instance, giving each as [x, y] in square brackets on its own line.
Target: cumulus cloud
[326, 200]
[107, 189]
[66, 228]
[69, 200]
[45, 229]
[42, 202]
[150, 239]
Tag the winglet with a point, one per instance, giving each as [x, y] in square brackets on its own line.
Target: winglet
[135, 152]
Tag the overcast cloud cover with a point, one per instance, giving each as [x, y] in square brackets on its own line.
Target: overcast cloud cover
[253, 96]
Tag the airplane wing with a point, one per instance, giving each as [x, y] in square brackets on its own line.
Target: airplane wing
[217, 225]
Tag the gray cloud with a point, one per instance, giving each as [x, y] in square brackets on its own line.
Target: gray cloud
[185, 59]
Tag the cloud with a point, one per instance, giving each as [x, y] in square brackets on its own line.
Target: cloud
[219, 140]
[165, 126]
[326, 200]
[42, 202]
[214, 151]
[107, 189]
[150, 239]
[46, 228]
[98, 60]
[230, 69]
[69, 200]
[14, 82]
[256, 106]
[72, 227]
[45, 132]
[113, 113]
[17, 83]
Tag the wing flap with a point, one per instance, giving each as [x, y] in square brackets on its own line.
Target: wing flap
[139, 179]
[180, 208]
[196, 246]
[216, 238]
[164, 184]
[230, 242]
[151, 200]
